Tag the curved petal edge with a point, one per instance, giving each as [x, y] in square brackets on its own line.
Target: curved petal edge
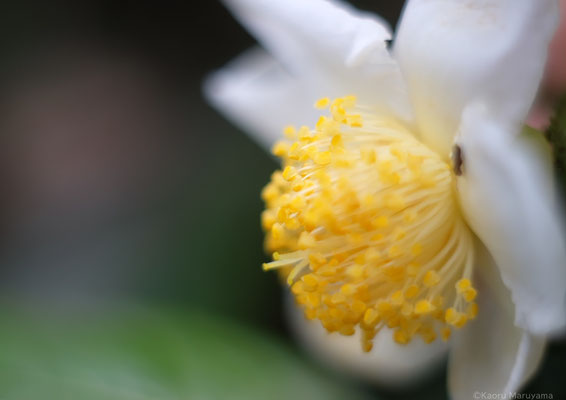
[491, 354]
[508, 195]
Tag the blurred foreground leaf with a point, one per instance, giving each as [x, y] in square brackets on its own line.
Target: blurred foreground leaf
[150, 355]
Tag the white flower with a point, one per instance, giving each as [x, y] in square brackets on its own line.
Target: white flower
[379, 227]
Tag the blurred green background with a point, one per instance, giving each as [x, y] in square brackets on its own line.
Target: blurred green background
[131, 245]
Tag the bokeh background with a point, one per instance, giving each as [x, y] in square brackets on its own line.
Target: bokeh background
[131, 247]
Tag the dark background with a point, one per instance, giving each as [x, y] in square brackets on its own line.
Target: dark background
[189, 172]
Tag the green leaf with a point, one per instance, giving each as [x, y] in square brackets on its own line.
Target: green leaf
[151, 355]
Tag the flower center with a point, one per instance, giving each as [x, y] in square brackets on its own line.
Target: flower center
[365, 227]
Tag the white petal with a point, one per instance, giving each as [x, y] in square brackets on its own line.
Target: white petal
[508, 195]
[256, 93]
[453, 52]
[490, 354]
[388, 364]
[329, 45]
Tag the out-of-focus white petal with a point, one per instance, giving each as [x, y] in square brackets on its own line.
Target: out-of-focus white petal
[330, 46]
[452, 52]
[388, 364]
[508, 195]
[258, 94]
[491, 354]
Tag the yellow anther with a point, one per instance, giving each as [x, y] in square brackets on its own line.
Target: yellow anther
[367, 346]
[472, 310]
[470, 294]
[372, 255]
[462, 285]
[428, 335]
[356, 271]
[297, 288]
[298, 203]
[395, 251]
[416, 249]
[424, 307]
[267, 220]
[313, 300]
[355, 238]
[462, 320]
[348, 290]
[289, 173]
[338, 298]
[277, 231]
[322, 122]
[355, 121]
[306, 241]
[445, 333]
[310, 281]
[294, 151]
[282, 215]
[394, 272]
[381, 222]
[368, 200]
[290, 132]
[298, 186]
[270, 193]
[399, 234]
[276, 256]
[305, 136]
[396, 151]
[397, 298]
[411, 292]
[371, 317]
[349, 101]
[347, 330]
[368, 155]
[280, 149]
[384, 168]
[322, 103]
[360, 259]
[358, 306]
[377, 237]
[395, 202]
[394, 321]
[316, 260]
[337, 140]
[338, 114]
[337, 313]
[304, 131]
[292, 224]
[383, 307]
[452, 316]
[323, 158]
[301, 298]
[431, 278]
[401, 337]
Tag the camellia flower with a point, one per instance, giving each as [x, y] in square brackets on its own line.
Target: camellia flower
[416, 204]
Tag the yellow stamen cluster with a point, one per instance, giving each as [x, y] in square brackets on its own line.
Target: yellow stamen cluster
[363, 224]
